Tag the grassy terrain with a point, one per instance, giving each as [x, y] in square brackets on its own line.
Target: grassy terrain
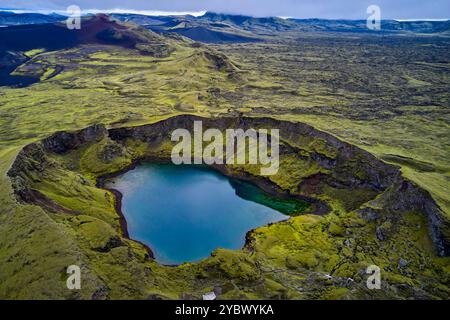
[386, 95]
[306, 257]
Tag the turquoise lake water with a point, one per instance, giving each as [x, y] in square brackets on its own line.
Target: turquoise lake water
[183, 213]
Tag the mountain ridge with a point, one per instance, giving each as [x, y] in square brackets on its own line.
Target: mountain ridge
[241, 27]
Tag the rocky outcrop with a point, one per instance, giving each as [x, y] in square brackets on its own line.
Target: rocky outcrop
[404, 196]
[32, 161]
[62, 142]
[110, 152]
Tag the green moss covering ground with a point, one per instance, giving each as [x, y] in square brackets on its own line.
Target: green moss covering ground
[306, 257]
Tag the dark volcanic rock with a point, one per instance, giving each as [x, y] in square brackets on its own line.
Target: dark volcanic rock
[113, 242]
[110, 152]
[62, 142]
[404, 196]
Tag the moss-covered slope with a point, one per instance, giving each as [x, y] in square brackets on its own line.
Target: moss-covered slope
[372, 216]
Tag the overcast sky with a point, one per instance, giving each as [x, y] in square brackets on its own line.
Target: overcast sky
[349, 9]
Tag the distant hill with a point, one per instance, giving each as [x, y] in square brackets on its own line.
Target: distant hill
[196, 28]
[387, 26]
[98, 29]
[215, 27]
[16, 41]
[249, 23]
[337, 25]
[13, 19]
[203, 34]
